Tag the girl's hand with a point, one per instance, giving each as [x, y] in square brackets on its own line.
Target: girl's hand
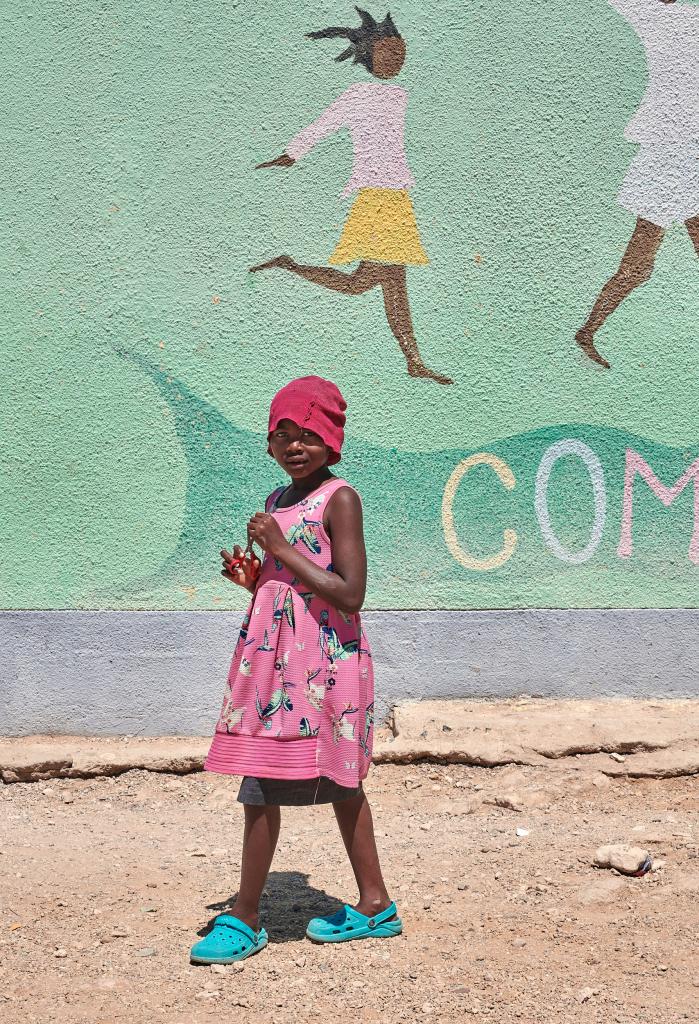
[264, 529]
[280, 161]
[240, 568]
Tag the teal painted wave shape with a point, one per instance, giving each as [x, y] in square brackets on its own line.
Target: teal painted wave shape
[230, 474]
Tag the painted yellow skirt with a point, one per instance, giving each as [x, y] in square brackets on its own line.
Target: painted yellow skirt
[381, 226]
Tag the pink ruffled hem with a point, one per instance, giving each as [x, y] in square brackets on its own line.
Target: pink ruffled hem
[262, 756]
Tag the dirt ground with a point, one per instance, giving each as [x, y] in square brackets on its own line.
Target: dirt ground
[107, 882]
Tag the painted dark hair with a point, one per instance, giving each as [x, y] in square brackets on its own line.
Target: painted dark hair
[362, 39]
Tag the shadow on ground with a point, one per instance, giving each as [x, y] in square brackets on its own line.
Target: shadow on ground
[287, 905]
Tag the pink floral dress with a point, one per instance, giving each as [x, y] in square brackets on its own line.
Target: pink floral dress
[299, 701]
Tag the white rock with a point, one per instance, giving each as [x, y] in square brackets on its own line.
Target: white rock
[627, 860]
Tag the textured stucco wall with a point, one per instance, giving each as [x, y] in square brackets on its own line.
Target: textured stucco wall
[140, 354]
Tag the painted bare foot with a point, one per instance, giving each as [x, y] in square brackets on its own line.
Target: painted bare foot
[418, 369]
[585, 339]
[283, 262]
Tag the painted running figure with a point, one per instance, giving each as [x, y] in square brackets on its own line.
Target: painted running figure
[662, 183]
[380, 231]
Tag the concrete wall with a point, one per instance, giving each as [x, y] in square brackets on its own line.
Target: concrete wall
[140, 353]
[162, 673]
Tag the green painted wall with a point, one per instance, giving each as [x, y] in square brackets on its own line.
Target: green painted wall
[139, 355]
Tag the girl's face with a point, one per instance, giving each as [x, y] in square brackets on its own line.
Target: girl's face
[300, 452]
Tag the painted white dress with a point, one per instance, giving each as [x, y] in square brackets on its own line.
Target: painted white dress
[662, 183]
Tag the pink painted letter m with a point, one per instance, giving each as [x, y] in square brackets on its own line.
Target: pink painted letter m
[636, 464]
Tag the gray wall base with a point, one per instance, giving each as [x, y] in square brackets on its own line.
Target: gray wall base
[162, 673]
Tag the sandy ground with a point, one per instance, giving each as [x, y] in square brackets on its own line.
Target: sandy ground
[107, 882]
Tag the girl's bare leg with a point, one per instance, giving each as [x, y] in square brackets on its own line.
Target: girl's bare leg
[397, 306]
[357, 829]
[692, 226]
[259, 843]
[634, 270]
[366, 276]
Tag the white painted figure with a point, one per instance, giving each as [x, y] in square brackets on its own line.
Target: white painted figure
[662, 184]
[663, 181]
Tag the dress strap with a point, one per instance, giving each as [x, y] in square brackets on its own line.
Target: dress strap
[273, 498]
[326, 490]
[335, 485]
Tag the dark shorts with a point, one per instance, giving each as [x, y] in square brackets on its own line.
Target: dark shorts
[294, 792]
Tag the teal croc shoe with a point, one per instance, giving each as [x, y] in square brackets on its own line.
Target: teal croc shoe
[229, 940]
[348, 924]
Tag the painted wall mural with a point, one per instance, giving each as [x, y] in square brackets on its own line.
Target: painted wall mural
[661, 187]
[491, 163]
[380, 233]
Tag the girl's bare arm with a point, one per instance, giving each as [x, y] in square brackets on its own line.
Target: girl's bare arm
[345, 586]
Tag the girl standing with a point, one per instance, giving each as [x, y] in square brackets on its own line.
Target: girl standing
[298, 709]
[381, 231]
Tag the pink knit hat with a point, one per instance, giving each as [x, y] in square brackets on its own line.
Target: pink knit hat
[313, 403]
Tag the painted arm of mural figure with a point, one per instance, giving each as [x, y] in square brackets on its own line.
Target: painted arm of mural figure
[279, 161]
[331, 120]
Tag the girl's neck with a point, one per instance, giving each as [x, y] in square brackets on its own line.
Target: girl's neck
[309, 483]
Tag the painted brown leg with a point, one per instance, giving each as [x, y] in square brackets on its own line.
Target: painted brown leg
[397, 306]
[369, 275]
[357, 830]
[634, 270]
[259, 843]
[692, 226]
[366, 275]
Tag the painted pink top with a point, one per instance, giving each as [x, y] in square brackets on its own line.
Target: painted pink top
[374, 114]
[299, 700]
